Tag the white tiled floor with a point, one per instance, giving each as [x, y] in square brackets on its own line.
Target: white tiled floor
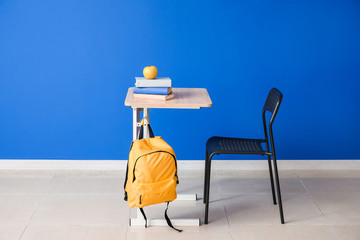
[64, 204]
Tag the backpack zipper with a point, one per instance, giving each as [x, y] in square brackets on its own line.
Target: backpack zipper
[151, 153]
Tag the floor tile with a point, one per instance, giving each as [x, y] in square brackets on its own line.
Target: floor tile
[250, 209]
[328, 173]
[46, 232]
[87, 182]
[190, 174]
[299, 209]
[86, 209]
[281, 232]
[259, 185]
[196, 186]
[339, 209]
[18, 209]
[254, 174]
[24, 184]
[332, 185]
[347, 232]
[256, 182]
[73, 204]
[205, 232]
[90, 173]
[11, 232]
[87, 185]
[27, 173]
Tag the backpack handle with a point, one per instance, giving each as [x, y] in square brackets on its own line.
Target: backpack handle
[141, 132]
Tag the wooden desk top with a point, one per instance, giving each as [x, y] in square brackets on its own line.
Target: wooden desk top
[193, 98]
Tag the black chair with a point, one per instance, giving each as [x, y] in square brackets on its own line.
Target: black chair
[224, 145]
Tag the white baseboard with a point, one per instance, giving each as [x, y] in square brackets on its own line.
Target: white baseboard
[197, 165]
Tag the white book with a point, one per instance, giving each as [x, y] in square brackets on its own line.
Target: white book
[157, 82]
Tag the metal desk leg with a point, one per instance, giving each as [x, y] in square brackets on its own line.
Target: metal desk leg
[139, 220]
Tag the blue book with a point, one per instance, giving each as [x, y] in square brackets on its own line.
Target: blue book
[152, 90]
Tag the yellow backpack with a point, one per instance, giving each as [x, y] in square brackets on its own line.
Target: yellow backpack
[151, 174]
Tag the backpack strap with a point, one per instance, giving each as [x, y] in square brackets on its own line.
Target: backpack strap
[126, 178]
[169, 221]
[166, 217]
[126, 175]
[144, 215]
[141, 132]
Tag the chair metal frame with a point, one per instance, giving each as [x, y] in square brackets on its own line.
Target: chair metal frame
[271, 105]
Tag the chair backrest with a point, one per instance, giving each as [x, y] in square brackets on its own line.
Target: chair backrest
[271, 105]
[273, 101]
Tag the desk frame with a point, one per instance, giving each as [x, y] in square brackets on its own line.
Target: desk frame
[185, 98]
[139, 220]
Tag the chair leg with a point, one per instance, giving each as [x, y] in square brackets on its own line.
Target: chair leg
[271, 180]
[278, 190]
[205, 176]
[208, 190]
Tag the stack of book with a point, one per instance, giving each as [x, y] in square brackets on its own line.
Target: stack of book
[156, 89]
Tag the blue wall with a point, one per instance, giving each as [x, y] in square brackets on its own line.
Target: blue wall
[65, 67]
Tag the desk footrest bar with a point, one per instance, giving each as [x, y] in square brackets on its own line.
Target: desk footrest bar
[162, 222]
[186, 197]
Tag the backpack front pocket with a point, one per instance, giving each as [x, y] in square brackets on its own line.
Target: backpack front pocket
[153, 193]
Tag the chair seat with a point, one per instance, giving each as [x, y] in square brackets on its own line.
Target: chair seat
[234, 145]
